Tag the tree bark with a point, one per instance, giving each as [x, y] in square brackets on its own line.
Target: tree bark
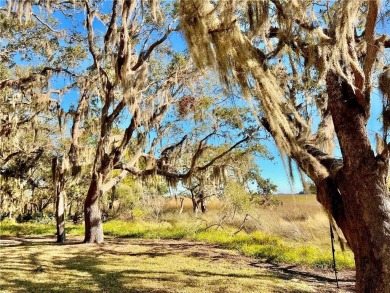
[92, 217]
[60, 216]
[181, 205]
[361, 183]
[194, 204]
[202, 202]
[353, 190]
[372, 249]
[58, 174]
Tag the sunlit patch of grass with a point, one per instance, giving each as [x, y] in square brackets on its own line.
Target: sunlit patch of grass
[272, 248]
[9, 228]
[301, 254]
[257, 244]
[15, 229]
[141, 229]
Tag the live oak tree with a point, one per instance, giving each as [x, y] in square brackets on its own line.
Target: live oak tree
[133, 91]
[305, 62]
[130, 80]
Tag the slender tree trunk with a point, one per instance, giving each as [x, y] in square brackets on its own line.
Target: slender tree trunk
[10, 209]
[70, 209]
[113, 197]
[59, 187]
[194, 204]
[234, 213]
[60, 216]
[181, 205]
[93, 220]
[202, 202]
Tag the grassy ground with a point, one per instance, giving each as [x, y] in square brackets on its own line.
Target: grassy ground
[140, 265]
[295, 233]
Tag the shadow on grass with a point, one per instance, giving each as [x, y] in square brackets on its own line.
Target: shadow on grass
[157, 249]
[114, 281]
[87, 275]
[30, 286]
[13, 241]
[229, 275]
[293, 271]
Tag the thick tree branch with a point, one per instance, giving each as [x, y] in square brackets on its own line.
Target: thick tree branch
[45, 24]
[204, 167]
[9, 157]
[144, 54]
[165, 153]
[111, 26]
[331, 164]
[118, 109]
[372, 48]
[91, 42]
[193, 168]
[349, 119]
[33, 77]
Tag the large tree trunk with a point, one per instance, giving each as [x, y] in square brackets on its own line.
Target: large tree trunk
[361, 183]
[368, 229]
[353, 190]
[92, 217]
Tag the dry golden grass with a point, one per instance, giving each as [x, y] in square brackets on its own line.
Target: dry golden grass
[300, 223]
[299, 218]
